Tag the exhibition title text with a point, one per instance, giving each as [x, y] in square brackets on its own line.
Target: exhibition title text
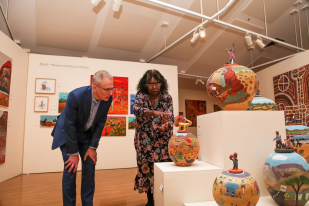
[63, 65]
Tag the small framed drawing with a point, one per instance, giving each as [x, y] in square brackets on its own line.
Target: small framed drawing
[45, 86]
[40, 104]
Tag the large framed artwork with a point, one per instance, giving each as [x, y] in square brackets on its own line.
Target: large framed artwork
[3, 134]
[193, 109]
[132, 100]
[217, 108]
[45, 86]
[115, 126]
[62, 101]
[120, 96]
[40, 104]
[292, 96]
[5, 79]
[48, 120]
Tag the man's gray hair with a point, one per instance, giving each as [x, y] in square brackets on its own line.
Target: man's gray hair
[100, 75]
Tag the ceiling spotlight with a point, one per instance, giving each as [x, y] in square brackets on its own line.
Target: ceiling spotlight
[195, 36]
[199, 80]
[249, 41]
[202, 32]
[260, 42]
[95, 2]
[117, 4]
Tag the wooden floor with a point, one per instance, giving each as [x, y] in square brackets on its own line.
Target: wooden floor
[113, 188]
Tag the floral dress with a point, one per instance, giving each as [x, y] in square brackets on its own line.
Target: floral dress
[150, 143]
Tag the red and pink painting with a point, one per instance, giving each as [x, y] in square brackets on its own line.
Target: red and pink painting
[5, 79]
[3, 132]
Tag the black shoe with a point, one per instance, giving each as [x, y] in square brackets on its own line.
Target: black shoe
[150, 203]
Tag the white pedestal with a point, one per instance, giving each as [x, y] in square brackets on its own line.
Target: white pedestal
[183, 184]
[249, 133]
[263, 201]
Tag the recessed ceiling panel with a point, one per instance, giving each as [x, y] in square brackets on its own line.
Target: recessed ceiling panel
[66, 24]
[122, 40]
[214, 57]
[274, 8]
[202, 69]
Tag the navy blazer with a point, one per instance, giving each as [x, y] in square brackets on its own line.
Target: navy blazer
[71, 124]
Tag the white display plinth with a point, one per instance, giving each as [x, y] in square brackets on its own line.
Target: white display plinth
[263, 201]
[249, 133]
[183, 184]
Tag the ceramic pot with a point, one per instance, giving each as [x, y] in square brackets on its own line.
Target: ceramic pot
[183, 149]
[233, 87]
[286, 178]
[235, 189]
[260, 103]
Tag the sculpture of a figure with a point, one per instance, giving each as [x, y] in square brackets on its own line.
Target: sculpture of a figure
[278, 140]
[288, 140]
[183, 123]
[235, 161]
[231, 53]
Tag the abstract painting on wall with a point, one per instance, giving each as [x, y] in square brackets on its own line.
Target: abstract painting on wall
[115, 126]
[132, 100]
[193, 109]
[217, 108]
[3, 134]
[48, 120]
[292, 96]
[62, 101]
[120, 96]
[40, 104]
[5, 79]
[132, 122]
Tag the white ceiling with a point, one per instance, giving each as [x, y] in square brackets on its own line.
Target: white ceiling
[77, 28]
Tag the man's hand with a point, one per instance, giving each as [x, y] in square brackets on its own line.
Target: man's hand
[92, 154]
[72, 162]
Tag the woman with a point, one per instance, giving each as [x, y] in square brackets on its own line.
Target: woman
[153, 109]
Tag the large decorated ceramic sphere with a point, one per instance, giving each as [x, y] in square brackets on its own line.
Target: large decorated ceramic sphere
[233, 87]
[183, 149]
[260, 103]
[286, 178]
[236, 189]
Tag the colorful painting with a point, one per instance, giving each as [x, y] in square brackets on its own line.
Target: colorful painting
[45, 86]
[62, 101]
[3, 134]
[48, 120]
[300, 138]
[115, 126]
[217, 108]
[292, 94]
[132, 100]
[193, 109]
[132, 122]
[233, 87]
[5, 79]
[120, 96]
[236, 189]
[286, 177]
[41, 104]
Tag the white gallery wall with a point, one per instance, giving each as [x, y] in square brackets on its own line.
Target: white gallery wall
[16, 110]
[266, 75]
[113, 152]
[194, 95]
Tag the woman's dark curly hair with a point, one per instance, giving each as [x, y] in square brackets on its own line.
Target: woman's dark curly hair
[146, 79]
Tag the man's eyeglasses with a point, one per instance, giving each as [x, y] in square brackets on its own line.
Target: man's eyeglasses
[155, 84]
[107, 90]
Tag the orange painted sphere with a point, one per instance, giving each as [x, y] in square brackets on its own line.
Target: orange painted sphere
[233, 87]
[183, 149]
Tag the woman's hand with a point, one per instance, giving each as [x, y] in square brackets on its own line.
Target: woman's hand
[162, 116]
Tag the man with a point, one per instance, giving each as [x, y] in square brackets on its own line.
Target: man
[78, 131]
[278, 140]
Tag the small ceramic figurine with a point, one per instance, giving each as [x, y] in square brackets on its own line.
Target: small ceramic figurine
[288, 144]
[231, 53]
[183, 124]
[278, 140]
[235, 169]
